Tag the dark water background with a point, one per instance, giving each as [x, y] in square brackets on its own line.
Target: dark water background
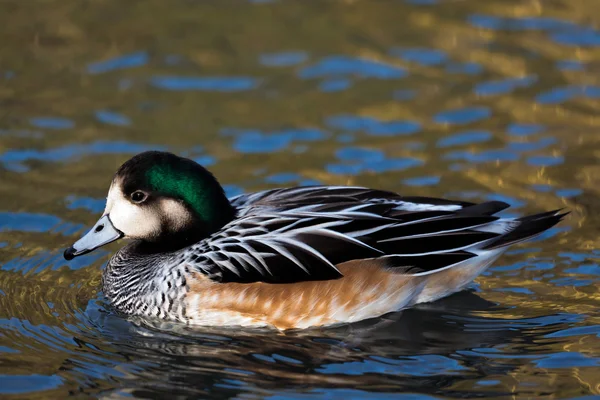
[473, 99]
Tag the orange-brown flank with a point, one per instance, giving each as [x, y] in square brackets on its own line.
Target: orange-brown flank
[366, 290]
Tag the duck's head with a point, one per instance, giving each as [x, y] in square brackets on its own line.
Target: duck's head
[160, 198]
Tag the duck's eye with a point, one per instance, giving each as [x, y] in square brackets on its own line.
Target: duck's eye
[138, 196]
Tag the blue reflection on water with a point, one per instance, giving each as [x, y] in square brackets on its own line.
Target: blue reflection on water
[585, 269]
[17, 384]
[567, 360]
[465, 115]
[86, 203]
[232, 190]
[125, 61]
[579, 37]
[112, 118]
[52, 122]
[468, 68]
[422, 181]
[205, 83]
[283, 178]
[346, 65]
[493, 88]
[542, 188]
[283, 59]
[14, 159]
[359, 154]
[465, 138]
[424, 365]
[568, 192]
[482, 156]
[255, 141]
[511, 152]
[562, 94]
[29, 222]
[514, 203]
[519, 24]
[51, 260]
[421, 56]
[570, 65]
[372, 126]
[335, 85]
[358, 160]
[393, 164]
[577, 331]
[516, 129]
[545, 161]
[540, 144]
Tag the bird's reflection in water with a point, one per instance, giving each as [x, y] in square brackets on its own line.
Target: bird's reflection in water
[420, 349]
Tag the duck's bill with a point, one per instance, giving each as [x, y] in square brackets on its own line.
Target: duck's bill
[102, 233]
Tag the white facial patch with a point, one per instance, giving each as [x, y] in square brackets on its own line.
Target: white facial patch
[134, 221]
[140, 222]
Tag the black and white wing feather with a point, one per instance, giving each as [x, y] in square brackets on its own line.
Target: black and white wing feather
[299, 234]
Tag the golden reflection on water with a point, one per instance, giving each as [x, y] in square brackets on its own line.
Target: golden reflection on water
[48, 60]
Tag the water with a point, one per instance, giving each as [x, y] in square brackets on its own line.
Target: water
[467, 99]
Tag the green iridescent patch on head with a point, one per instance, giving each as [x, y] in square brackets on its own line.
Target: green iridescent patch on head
[184, 184]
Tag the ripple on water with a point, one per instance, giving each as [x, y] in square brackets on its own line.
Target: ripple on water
[87, 203]
[372, 126]
[563, 94]
[516, 129]
[578, 37]
[494, 88]
[356, 160]
[422, 2]
[570, 65]
[40, 223]
[256, 141]
[205, 83]
[21, 384]
[132, 60]
[15, 159]
[422, 181]
[467, 68]
[112, 118]
[545, 161]
[464, 138]
[572, 192]
[422, 56]
[21, 133]
[283, 59]
[333, 66]
[425, 365]
[404, 94]
[51, 260]
[461, 116]
[52, 123]
[335, 85]
[519, 24]
[484, 156]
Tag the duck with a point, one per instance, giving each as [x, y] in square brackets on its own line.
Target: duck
[286, 258]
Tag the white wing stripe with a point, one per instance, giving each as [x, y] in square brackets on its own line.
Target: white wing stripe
[284, 252]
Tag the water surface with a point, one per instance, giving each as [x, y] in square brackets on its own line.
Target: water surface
[474, 100]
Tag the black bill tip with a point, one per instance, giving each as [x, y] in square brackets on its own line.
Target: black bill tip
[69, 253]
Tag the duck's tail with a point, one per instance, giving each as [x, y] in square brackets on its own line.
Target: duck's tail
[527, 228]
